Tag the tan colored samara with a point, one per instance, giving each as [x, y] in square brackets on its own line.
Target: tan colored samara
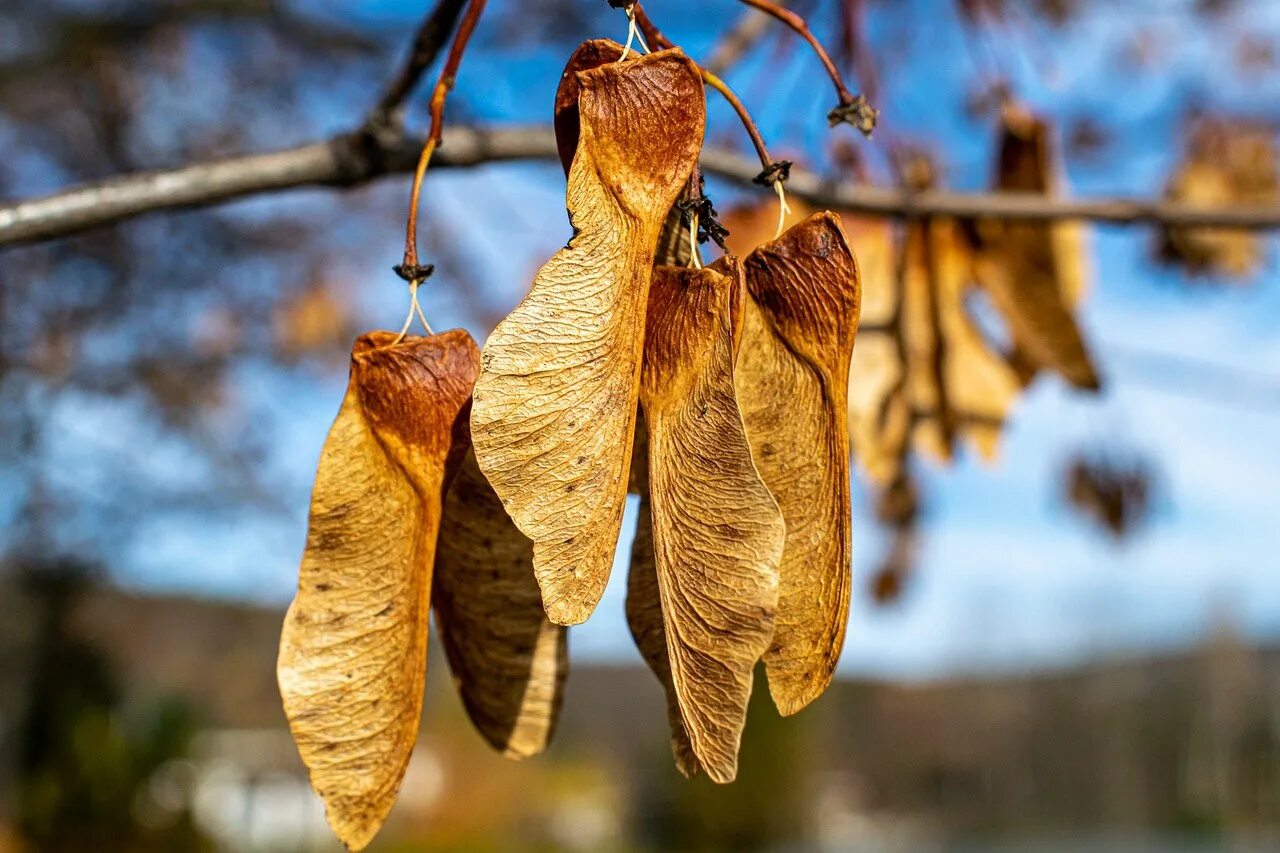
[800, 319]
[717, 533]
[353, 653]
[555, 404]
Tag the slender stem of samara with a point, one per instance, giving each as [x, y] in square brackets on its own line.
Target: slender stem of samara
[444, 85]
[852, 109]
[797, 23]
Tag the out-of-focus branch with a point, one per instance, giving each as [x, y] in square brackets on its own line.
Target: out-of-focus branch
[738, 42]
[434, 32]
[345, 161]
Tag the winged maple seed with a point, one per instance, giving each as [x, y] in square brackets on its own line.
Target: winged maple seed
[508, 660]
[554, 406]
[354, 647]
[792, 383]
[717, 532]
[644, 605]
[1034, 272]
[1227, 163]
[957, 384]
[879, 417]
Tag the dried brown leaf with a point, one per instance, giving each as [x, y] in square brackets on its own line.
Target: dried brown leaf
[1035, 272]
[717, 532]
[508, 660]
[1228, 162]
[354, 647]
[1220, 251]
[926, 310]
[792, 383]
[644, 606]
[979, 386]
[555, 404]
[880, 416]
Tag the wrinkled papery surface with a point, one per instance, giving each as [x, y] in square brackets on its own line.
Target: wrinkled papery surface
[673, 243]
[1034, 271]
[554, 406]
[717, 532]
[508, 660]
[792, 385]
[566, 118]
[353, 652]
[644, 605]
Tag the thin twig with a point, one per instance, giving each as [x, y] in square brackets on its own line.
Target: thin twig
[431, 36]
[410, 268]
[340, 162]
[854, 48]
[738, 42]
[852, 109]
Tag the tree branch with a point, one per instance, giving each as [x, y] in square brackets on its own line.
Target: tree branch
[434, 32]
[738, 42]
[348, 160]
[356, 158]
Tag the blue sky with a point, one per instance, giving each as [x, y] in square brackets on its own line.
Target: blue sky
[1008, 579]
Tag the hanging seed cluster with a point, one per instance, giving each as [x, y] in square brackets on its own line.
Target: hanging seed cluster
[488, 486]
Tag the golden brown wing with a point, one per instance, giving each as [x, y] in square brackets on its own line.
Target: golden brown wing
[792, 384]
[508, 660]
[555, 404]
[354, 647]
[644, 606]
[717, 532]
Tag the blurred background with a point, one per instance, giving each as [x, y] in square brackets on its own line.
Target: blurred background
[1074, 645]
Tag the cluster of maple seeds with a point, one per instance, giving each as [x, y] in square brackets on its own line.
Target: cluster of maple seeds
[489, 487]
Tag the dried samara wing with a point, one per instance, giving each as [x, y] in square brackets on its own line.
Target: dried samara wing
[508, 660]
[1227, 163]
[353, 651]
[923, 375]
[880, 418]
[957, 384]
[717, 532]
[792, 384]
[644, 606]
[1033, 271]
[555, 403]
